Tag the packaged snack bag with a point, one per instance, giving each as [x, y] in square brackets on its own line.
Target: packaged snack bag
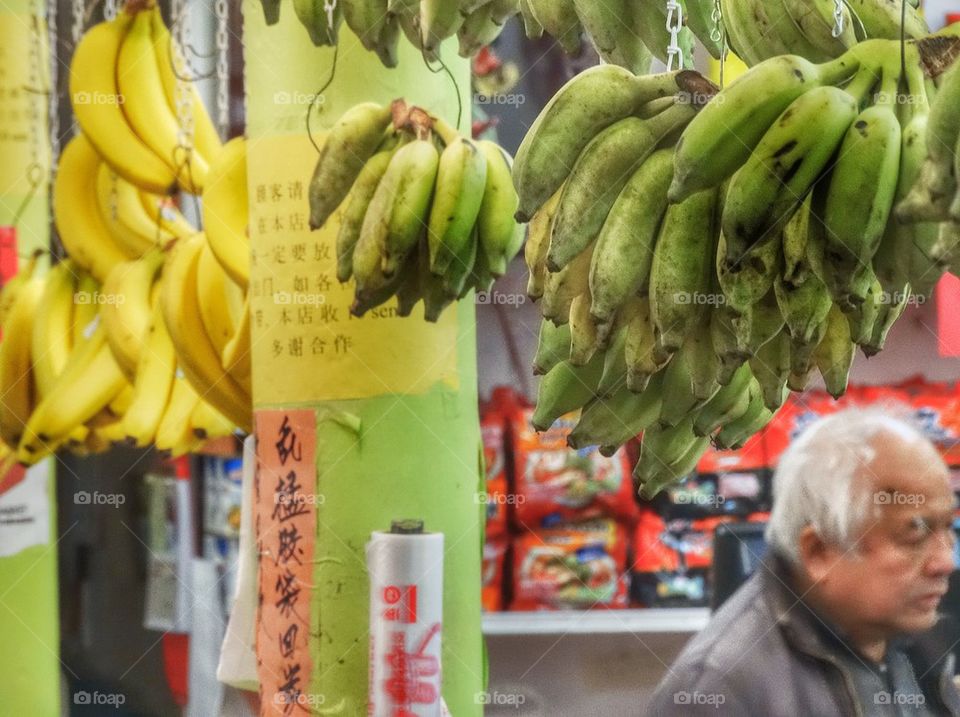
[578, 565]
[491, 590]
[494, 456]
[551, 478]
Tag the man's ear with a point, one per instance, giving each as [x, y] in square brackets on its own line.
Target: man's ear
[816, 556]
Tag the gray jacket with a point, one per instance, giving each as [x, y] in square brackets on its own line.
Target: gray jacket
[765, 653]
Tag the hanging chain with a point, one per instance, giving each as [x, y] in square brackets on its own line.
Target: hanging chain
[674, 26]
[719, 35]
[223, 68]
[53, 106]
[837, 18]
[109, 9]
[330, 7]
[182, 94]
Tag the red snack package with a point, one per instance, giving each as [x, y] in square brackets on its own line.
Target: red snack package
[491, 586]
[574, 565]
[494, 457]
[551, 478]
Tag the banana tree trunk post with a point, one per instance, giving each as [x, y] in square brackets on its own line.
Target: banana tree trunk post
[394, 400]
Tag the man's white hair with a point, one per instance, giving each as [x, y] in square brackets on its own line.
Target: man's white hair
[823, 479]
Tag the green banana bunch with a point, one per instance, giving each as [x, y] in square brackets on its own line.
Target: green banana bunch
[729, 128]
[420, 187]
[584, 107]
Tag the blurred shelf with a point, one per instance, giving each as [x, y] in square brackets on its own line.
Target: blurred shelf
[597, 622]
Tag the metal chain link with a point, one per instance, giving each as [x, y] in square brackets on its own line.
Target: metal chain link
[837, 18]
[53, 106]
[674, 26]
[78, 12]
[719, 35]
[223, 68]
[182, 92]
[110, 9]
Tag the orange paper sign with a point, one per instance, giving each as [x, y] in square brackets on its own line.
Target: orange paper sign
[285, 502]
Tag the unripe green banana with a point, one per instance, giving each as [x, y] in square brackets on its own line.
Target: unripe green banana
[624, 250]
[558, 18]
[862, 188]
[439, 19]
[351, 221]
[891, 308]
[748, 280]
[565, 388]
[531, 25]
[348, 146]
[759, 324]
[771, 368]
[767, 190]
[456, 279]
[723, 336]
[881, 19]
[479, 29]
[728, 404]
[410, 176]
[614, 420]
[461, 178]
[690, 379]
[683, 262]
[581, 109]
[366, 19]
[562, 286]
[499, 233]
[612, 35]
[614, 376]
[603, 169]
[583, 331]
[663, 448]
[834, 355]
[538, 243]
[313, 17]
[653, 481]
[387, 46]
[271, 11]
[736, 433]
[641, 354]
[553, 346]
[721, 138]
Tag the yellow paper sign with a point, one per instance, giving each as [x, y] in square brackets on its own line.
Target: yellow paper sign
[315, 350]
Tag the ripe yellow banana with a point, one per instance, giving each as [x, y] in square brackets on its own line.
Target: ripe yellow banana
[85, 312]
[52, 335]
[124, 214]
[98, 105]
[11, 288]
[220, 299]
[126, 307]
[80, 225]
[237, 359]
[152, 386]
[171, 64]
[196, 354]
[146, 108]
[207, 422]
[174, 435]
[225, 211]
[163, 212]
[16, 374]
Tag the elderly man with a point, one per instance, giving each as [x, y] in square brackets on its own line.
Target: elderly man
[861, 548]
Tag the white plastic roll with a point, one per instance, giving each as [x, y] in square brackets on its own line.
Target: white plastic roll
[406, 617]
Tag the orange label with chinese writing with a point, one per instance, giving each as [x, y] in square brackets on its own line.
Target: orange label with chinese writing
[285, 501]
[311, 347]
